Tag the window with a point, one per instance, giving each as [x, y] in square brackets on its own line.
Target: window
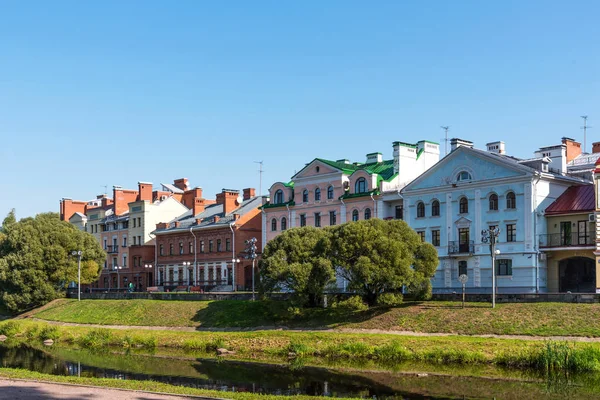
[504, 267]
[302, 219]
[305, 196]
[134, 225]
[399, 212]
[462, 268]
[332, 218]
[162, 250]
[283, 224]
[318, 220]
[421, 235]
[463, 176]
[367, 214]
[493, 202]
[124, 241]
[420, 209]
[180, 247]
[125, 224]
[278, 197]
[511, 201]
[202, 246]
[463, 205]
[464, 244]
[435, 208]
[191, 247]
[511, 232]
[140, 222]
[360, 186]
[219, 249]
[330, 193]
[104, 244]
[115, 245]
[435, 237]
[273, 225]
[125, 261]
[355, 215]
[171, 249]
[317, 194]
[210, 246]
[227, 244]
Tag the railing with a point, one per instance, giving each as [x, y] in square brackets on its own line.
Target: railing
[458, 247]
[112, 249]
[563, 240]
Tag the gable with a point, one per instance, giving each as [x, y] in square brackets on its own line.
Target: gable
[311, 170]
[480, 167]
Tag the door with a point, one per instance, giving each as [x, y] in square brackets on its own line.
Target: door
[582, 234]
[463, 240]
[565, 233]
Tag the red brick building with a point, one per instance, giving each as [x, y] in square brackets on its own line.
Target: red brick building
[202, 247]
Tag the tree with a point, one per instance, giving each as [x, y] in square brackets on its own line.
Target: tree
[297, 260]
[36, 263]
[377, 256]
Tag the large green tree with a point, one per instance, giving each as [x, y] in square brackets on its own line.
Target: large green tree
[36, 263]
[377, 256]
[297, 260]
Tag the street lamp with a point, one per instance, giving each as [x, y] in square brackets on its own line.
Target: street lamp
[78, 253]
[251, 253]
[491, 236]
[117, 268]
[186, 266]
[234, 262]
[148, 266]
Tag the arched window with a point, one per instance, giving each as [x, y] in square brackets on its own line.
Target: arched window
[360, 186]
[511, 200]
[463, 205]
[278, 197]
[463, 176]
[355, 215]
[493, 202]
[317, 194]
[367, 214]
[283, 224]
[420, 209]
[330, 193]
[273, 225]
[435, 208]
[305, 196]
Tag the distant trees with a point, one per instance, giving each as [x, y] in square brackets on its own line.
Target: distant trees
[36, 263]
[375, 257]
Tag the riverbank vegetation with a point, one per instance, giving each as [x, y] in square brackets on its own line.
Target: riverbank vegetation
[533, 319]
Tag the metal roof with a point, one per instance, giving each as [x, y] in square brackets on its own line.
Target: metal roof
[576, 199]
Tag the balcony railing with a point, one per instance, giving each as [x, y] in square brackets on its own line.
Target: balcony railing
[458, 247]
[573, 240]
[112, 249]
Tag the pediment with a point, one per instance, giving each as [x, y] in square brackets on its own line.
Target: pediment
[314, 169]
[463, 222]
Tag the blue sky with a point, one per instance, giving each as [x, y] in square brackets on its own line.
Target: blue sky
[114, 92]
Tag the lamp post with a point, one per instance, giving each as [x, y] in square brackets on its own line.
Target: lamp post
[78, 253]
[251, 253]
[117, 268]
[148, 266]
[490, 236]
[186, 266]
[234, 262]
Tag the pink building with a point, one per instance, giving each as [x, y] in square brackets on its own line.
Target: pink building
[326, 193]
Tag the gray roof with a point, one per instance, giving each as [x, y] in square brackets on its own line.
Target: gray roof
[188, 220]
[171, 188]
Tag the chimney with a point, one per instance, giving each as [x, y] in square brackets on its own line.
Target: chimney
[181, 184]
[122, 198]
[217, 218]
[228, 198]
[249, 193]
[573, 148]
[374, 158]
[198, 206]
[455, 143]
[344, 161]
[145, 191]
[596, 147]
[198, 221]
[177, 224]
[162, 225]
[496, 147]
[236, 216]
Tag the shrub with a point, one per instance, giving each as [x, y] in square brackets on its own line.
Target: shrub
[390, 299]
[354, 303]
[96, 338]
[10, 328]
[49, 332]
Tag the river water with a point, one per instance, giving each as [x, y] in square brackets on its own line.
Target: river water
[229, 375]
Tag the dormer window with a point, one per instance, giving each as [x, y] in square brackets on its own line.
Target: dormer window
[278, 197]
[360, 186]
[463, 176]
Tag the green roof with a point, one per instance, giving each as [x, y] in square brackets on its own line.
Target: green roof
[364, 194]
[269, 205]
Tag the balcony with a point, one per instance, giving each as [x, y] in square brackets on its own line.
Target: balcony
[573, 240]
[112, 249]
[457, 247]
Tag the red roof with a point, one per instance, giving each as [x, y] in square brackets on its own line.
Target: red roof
[576, 199]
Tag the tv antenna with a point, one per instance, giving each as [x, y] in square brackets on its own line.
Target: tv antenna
[445, 128]
[585, 128]
[260, 171]
[105, 189]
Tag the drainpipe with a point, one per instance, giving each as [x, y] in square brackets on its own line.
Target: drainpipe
[233, 259]
[195, 259]
[535, 238]
[374, 205]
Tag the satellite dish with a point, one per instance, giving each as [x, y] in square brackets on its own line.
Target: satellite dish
[239, 200]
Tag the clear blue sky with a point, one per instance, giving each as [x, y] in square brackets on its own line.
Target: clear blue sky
[114, 92]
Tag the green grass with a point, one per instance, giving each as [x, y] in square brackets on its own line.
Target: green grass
[539, 319]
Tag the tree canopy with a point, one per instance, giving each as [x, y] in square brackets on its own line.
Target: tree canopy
[36, 263]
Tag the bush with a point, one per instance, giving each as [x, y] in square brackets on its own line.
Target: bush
[354, 303]
[96, 338]
[390, 299]
[49, 332]
[10, 328]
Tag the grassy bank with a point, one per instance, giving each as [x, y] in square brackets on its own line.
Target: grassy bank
[330, 345]
[540, 319]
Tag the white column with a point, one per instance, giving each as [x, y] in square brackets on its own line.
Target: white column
[205, 272]
[527, 225]
[342, 213]
[379, 209]
[450, 226]
[293, 219]
[224, 271]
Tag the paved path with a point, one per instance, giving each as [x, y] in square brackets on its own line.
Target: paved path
[340, 330]
[11, 389]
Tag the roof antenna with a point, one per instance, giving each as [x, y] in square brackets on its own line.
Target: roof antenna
[260, 171]
[445, 128]
[105, 190]
[585, 128]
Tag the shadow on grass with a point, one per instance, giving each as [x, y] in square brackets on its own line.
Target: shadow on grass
[278, 315]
